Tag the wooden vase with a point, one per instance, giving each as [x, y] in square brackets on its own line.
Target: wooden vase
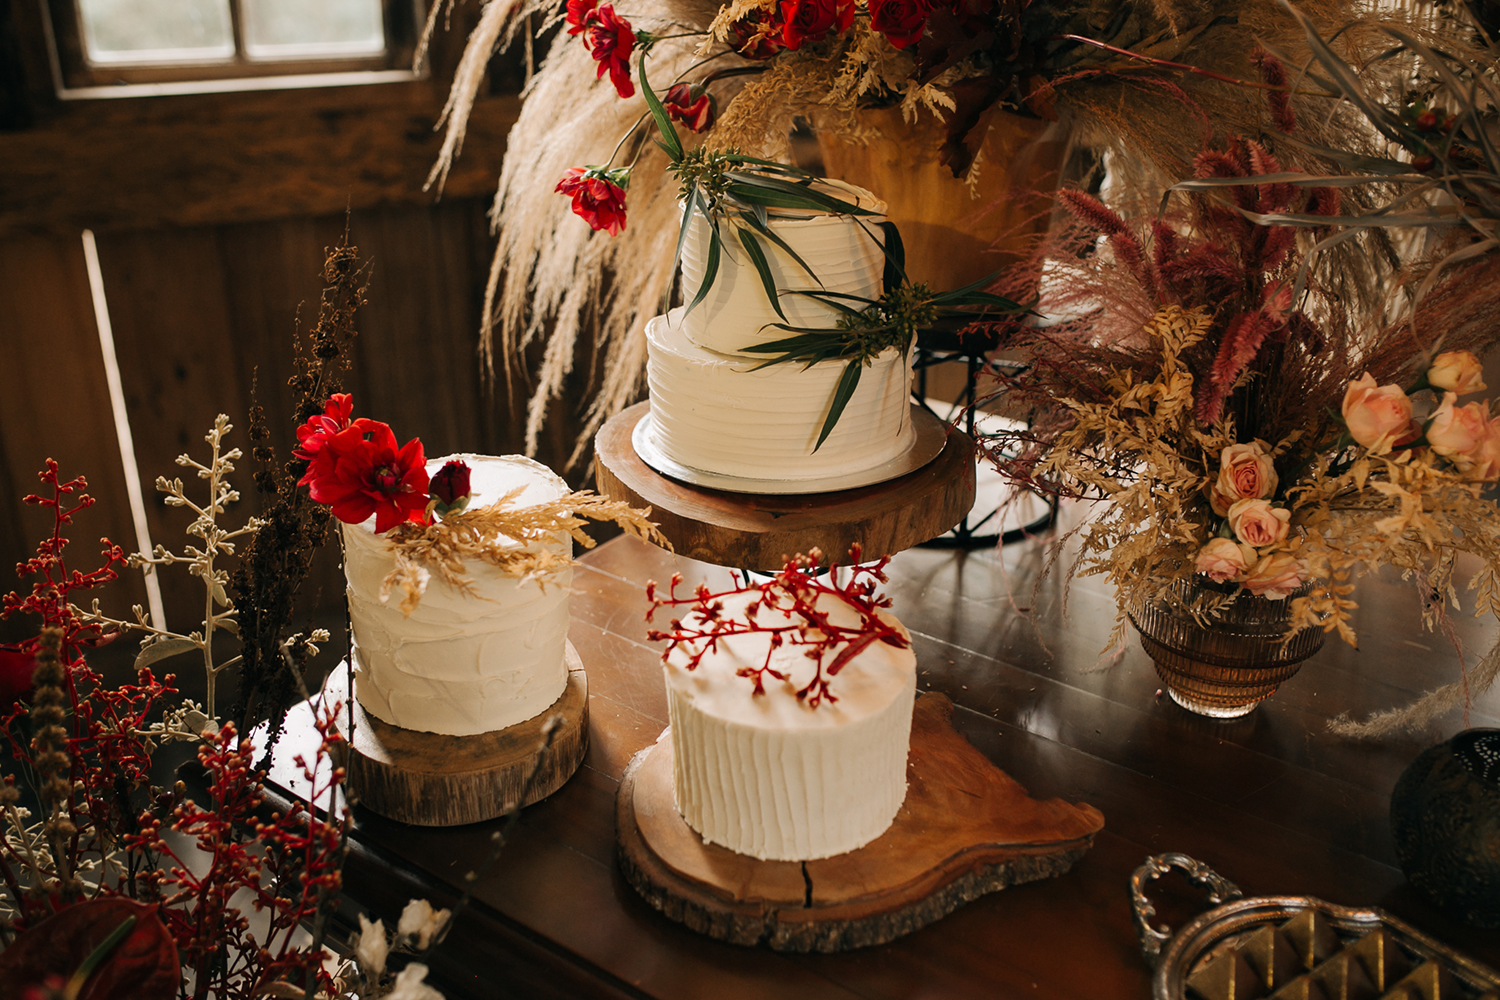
[955, 235]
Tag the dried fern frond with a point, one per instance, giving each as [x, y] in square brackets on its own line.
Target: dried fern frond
[514, 540]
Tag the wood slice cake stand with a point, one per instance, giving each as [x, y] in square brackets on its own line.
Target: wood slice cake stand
[966, 829]
[428, 779]
[755, 531]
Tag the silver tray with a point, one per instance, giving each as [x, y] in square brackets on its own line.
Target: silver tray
[931, 437]
[1209, 937]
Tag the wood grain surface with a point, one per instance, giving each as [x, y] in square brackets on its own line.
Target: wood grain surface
[429, 779]
[1273, 801]
[966, 828]
[751, 531]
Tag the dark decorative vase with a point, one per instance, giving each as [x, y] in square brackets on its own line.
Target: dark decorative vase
[1445, 816]
[1224, 667]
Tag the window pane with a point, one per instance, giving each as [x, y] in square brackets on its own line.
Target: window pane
[121, 31]
[277, 29]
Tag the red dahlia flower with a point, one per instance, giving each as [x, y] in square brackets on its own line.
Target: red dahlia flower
[691, 105]
[609, 39]
[900, 21]
[365, 473]
[578, 14]
[321, 426]
[598, 197]
[810, 20]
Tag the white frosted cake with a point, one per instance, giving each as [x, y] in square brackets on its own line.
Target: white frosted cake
[713, 413]
[461, 664]
[766, 775]
[843, 251]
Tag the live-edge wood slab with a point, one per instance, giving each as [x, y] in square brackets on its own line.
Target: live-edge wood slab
[966, 829]
[754, 531]
[428, 779]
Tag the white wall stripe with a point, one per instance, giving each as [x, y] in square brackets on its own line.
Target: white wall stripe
[122, 424]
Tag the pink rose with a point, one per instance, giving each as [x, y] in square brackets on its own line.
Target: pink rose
[1222, 559]
[1457, 371]
[1378, 417]
[1457, 431]
[1275, 577]
[1245, 473]
[1257, 523]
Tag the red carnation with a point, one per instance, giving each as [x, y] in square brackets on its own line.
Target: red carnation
[691, 105]
[609, 39]
[321, 426]
[900, 21]
[757, 35]
[365, 473]
[578, 15]
[597, 196]
[810, 20]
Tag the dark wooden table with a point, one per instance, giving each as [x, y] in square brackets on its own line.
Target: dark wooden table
[1273, 802]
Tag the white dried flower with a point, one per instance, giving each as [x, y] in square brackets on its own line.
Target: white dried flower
[372, 947]
[420, 922]
[409, 985]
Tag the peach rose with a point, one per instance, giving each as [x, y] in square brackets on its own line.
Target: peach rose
[1485, 460]
[1275, 577]
[1223, 559]
[1457, 371]
[1457, 431]
[1377, 416]
[1245, 473]
[1257, 523]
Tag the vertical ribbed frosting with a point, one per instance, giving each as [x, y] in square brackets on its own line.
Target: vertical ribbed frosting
[767, 776]
[461, 664]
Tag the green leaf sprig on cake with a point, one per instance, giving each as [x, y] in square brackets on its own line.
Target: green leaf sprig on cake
[356, 467]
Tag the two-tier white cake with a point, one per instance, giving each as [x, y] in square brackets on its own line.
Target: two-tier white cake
[461, 663]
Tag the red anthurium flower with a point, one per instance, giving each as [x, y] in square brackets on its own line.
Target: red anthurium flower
[757, 35]
[368, 474]
[598, 196]
[691, 105]
[578, 13]
[319, 427]
[610, 40]
[900, 21]
[810, 20]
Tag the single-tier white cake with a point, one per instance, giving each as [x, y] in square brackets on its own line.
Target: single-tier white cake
[461, 664]
[713, 413]
[767, 776]
[844, 251]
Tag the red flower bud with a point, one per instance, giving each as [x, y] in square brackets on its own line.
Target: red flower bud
[901, 21]
[609, 40]
[691, 105]
[1425, 162]
[598, 198]
[1427, 121]
[810, 20]
[451, 484]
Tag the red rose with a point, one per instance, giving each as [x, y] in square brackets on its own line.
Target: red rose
[17, 664]
[365, 473]
[691, 105]
[810, 20]
[757, 35]
[450, 487]
[610, 40]
[578, 14]
[597, 198]
[900, 21]
[321, 426]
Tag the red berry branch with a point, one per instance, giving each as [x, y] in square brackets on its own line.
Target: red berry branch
[785, 608]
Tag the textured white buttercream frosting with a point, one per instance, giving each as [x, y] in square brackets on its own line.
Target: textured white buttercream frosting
[711, 412]
[461, 664]
[767, 776]
[843, 251]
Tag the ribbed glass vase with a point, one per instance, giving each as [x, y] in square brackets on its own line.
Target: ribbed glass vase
[1224, 667]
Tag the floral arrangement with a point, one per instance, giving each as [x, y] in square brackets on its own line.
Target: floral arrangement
[785, 607]
[355, 466]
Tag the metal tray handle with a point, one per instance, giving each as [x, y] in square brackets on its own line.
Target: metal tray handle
[1220, 890]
